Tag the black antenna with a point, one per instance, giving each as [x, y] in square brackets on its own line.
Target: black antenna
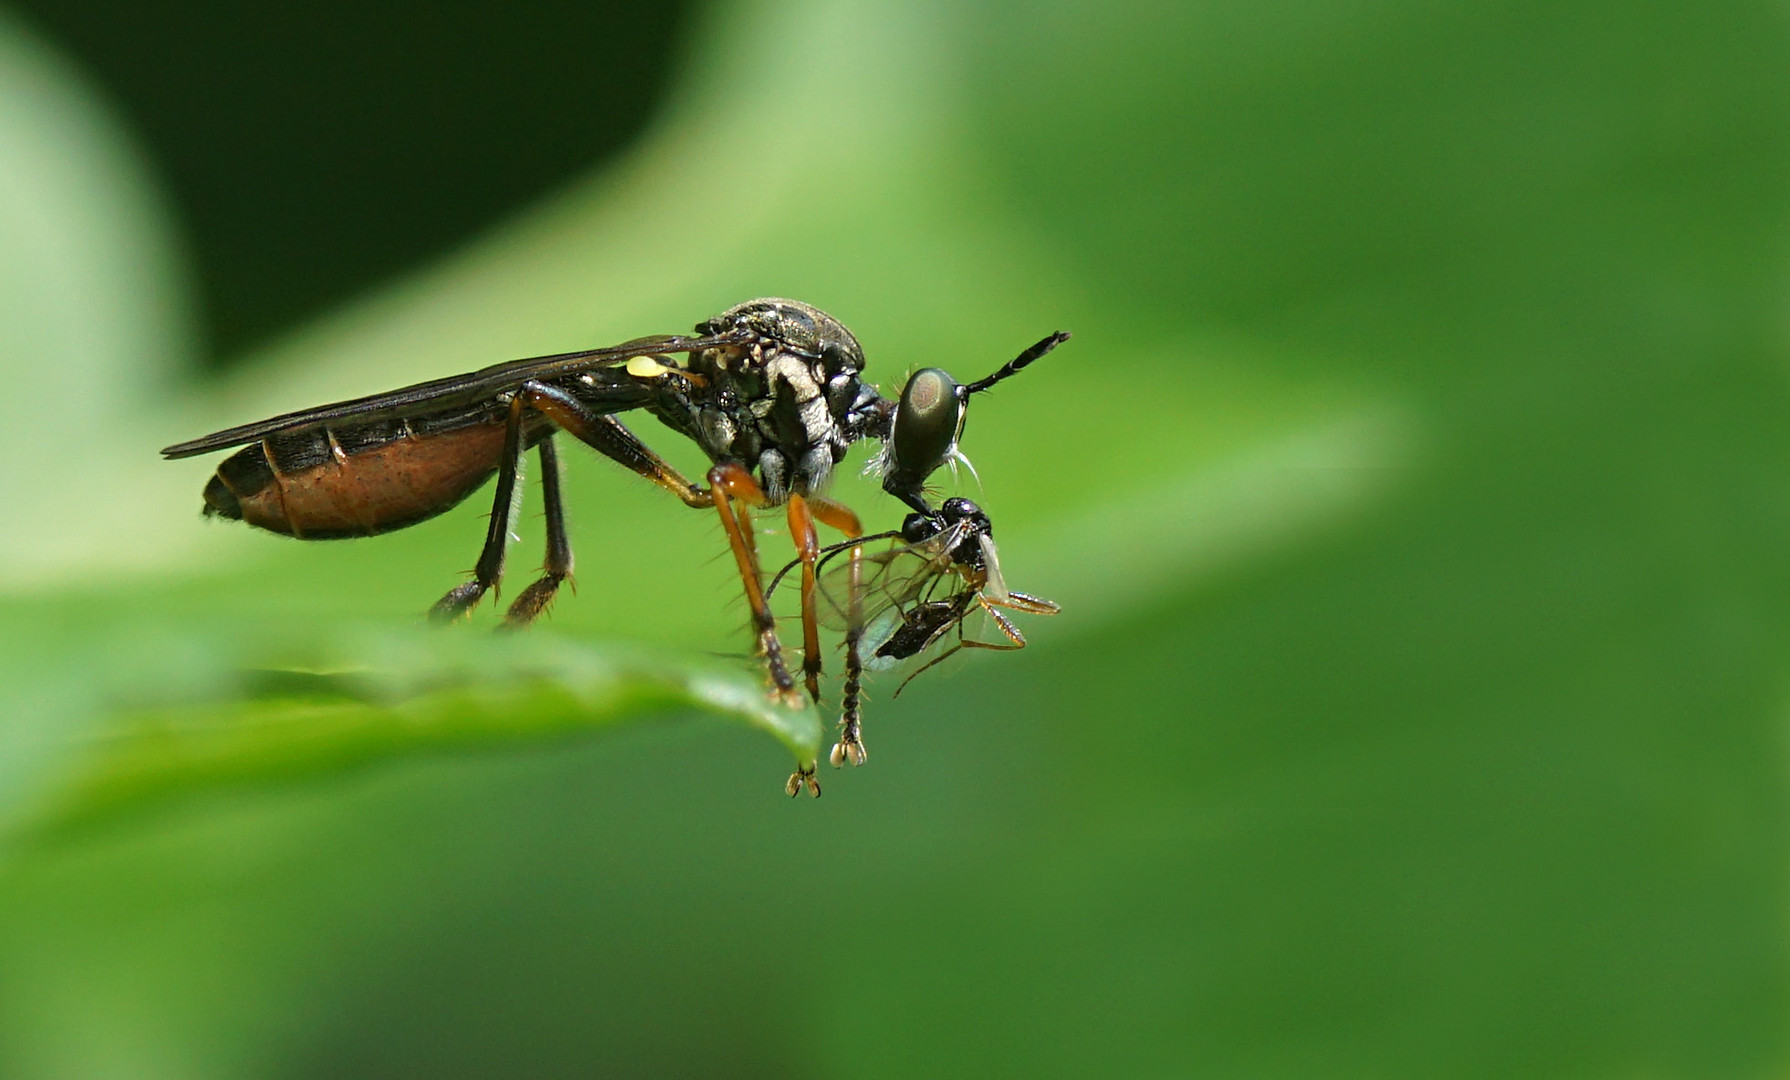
[1018, 363]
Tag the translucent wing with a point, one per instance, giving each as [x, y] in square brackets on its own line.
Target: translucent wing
[893, 579]
[994, 586]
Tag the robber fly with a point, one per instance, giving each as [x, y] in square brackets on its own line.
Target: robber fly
[940, 570]
[769, 389]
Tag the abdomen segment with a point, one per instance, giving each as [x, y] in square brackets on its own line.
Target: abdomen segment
[316, 485]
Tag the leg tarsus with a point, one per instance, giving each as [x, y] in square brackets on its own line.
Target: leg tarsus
[534, 601]
[458, 601]
[803, 777]
[850, 747]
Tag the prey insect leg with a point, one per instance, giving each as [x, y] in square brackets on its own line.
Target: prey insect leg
[1015, 639]
[1019, 601]
[489, 570]
[730, 482]
[558, 567]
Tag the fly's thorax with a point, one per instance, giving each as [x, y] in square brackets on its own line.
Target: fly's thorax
[794, 326]
[609, 390]
[787, 402]
[790, 328]
[797, 430]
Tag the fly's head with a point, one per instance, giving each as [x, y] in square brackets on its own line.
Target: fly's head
[923, 433]
[927, 422]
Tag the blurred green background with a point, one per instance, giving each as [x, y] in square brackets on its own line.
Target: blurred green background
[1414, 487]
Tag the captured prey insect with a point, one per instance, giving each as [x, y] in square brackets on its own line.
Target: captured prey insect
[940, 570]
[769, 389]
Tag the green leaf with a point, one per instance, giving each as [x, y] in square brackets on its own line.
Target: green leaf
[225, 715]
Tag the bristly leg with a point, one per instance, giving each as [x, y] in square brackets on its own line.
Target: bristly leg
[834, 515]
[489, 570]
[729, 482]
[807, 541]
[558, 566]
[850, 746]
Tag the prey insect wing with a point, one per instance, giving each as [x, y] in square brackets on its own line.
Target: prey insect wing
[898, 603]
[890, 580]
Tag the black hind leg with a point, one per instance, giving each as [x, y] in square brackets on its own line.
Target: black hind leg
[489, 570]
[558, 568]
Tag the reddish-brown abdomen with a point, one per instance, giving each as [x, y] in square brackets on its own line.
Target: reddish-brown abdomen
[306, 485]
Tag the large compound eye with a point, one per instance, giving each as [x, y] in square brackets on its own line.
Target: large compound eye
[927, 423]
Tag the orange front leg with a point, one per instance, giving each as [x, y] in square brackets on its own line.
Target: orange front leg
[807, 541]
[729, 482]
[803, 512]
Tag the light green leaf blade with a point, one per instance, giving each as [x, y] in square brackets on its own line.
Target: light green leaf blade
[245, 717]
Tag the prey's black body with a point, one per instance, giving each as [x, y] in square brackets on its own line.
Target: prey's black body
[940, 569]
